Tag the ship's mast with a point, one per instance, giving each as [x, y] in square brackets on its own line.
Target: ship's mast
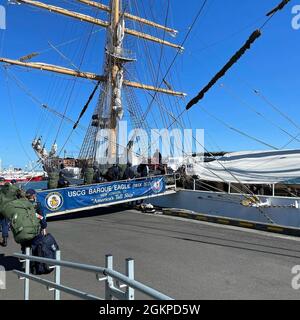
[116, 68]
[112, 79]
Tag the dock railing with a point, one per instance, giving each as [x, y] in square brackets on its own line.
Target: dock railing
[114, 280]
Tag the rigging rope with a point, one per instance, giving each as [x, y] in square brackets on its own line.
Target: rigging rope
[247, 105]
[239, 131]
[14, 118]
[86, 105]
[253, 37]
[288, 118]
[279, 7]
[276, 109]
[234, 59]
[73, 87]
[178, 52]
[21, 85]
[208, 152]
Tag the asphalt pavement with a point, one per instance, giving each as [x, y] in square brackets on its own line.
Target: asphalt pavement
[182, 258]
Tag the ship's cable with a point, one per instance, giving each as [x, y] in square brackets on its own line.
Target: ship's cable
[200, 11]
[14, 119]
[236, 57]
[86, 105]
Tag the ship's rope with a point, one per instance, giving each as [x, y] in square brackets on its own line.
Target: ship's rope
[57, 89]
[170, 102]
[277, 8]
[243, 49]
[202, 146]
[12, 108]
[284, 115]
[200, 11]
[64, 56]
[160, 99]
[174, 118]
[86, 105]
[236, 57]
[150, 68]
[275, 108]
[239, 131]
[36, 100]
[73, 87]
[242, 102]
[162, 47]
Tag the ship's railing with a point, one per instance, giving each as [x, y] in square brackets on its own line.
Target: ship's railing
[114, 281]
[170, 180]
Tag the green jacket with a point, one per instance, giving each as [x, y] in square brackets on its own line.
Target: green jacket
[8, 192]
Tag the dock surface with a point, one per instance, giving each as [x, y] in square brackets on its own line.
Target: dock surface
[182, 258]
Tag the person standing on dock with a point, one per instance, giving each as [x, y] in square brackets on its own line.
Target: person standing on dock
[62, 181]
[157, 159]
[31, 197]
[129, 172]
[5, 226]
[143, 170]
[9, 192]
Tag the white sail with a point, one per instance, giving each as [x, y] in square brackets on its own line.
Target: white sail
[257, 167]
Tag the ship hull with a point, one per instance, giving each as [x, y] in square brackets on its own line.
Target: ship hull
[280, 210]
[21, 179]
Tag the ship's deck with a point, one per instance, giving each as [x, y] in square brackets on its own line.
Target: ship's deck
[183, 259]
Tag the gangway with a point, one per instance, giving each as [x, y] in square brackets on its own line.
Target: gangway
[56, 202]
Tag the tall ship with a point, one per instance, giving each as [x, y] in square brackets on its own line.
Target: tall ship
[258, 185]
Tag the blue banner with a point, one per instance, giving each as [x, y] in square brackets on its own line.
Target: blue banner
[54, 201]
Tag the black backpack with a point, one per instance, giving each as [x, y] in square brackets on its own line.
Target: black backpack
[45, 248]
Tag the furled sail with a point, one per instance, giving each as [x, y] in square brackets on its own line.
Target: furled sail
[255, 167]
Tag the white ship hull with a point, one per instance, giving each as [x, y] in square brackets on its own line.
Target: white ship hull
[281, 210]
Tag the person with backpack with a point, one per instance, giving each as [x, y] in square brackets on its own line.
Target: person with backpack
[43, 245]
[7, 193]
[31, 197]
[5, 226]
[27, 225]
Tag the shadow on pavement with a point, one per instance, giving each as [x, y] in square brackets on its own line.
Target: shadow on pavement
[90, 213]
[10, 263]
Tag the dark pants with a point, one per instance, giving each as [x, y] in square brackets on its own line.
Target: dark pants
[4, 224]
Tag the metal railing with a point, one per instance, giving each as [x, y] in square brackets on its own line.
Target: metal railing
[114, 281]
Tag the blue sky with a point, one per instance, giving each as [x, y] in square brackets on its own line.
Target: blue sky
[271, 66]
